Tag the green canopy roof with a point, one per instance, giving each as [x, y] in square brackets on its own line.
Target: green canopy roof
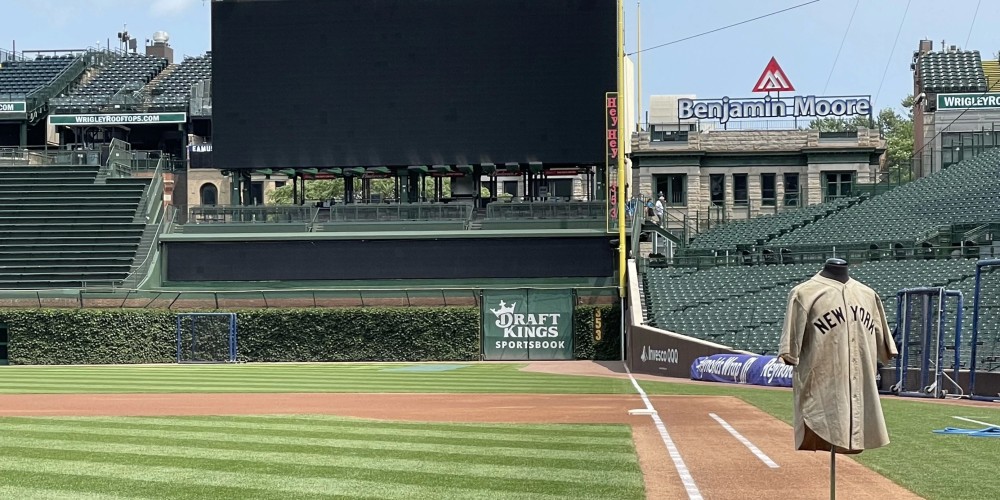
[512, 167]
[535, 167]
[418, 168]
[489, 168]
[354, 171]
[442, 169]
[465, 169]
[264, 171]
[334, 171]
[380, 170]
[287, 171]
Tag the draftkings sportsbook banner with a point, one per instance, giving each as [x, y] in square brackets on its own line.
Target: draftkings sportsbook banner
[527, 324]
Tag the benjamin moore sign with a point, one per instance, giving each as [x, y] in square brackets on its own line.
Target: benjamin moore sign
[726, 109]
[527, 324]
[773, 79]
[118, 119]
[964, 101]
[13, 109]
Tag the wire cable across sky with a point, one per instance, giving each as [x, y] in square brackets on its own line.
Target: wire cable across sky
[723, 28]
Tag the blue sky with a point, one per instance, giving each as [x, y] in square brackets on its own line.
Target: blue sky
[804, 41]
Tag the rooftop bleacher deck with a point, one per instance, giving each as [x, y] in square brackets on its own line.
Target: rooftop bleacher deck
[174, 89]
[117, 82]
[36, 80]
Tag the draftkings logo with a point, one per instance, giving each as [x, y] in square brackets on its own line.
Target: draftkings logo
[525, 325]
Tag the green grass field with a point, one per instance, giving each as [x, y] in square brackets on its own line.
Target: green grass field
[309, 456]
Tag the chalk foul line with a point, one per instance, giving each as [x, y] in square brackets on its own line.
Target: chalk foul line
[746, 442]
[977, 422]
[675, 455]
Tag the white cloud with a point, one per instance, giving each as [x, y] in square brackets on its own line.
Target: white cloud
[167, 8]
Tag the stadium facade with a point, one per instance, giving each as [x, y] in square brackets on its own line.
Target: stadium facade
[956, 108]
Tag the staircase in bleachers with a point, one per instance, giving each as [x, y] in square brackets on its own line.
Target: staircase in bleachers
[174, 89]
[59, 228]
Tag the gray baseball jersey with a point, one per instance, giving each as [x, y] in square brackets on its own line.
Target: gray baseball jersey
[834, 332]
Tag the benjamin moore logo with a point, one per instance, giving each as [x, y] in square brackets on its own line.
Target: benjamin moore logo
[773, 79]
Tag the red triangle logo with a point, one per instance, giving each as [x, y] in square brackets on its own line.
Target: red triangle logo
[773, 79]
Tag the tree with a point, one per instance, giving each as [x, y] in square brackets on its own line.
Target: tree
[325, 189]
[895, 128]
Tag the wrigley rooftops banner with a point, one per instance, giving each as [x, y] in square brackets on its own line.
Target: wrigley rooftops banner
[773, 79]
[13, 110]
[527, 324]
[118, 119]
[965, 101]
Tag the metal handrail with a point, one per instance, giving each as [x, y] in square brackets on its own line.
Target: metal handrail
[143, 268]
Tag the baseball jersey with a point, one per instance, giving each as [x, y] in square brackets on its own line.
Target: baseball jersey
[834, 333]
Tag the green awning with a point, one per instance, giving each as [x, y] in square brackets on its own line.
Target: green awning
[489, 168]
[512, 167]
[442, 169]
[465, 169]
[311, 171]
[379, 170]
[264, 171]
[418, 168]
[354, 171]
[535, 167]
[334, 171]
[287, 171]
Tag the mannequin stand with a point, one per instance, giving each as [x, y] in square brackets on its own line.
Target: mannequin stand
[833, 474]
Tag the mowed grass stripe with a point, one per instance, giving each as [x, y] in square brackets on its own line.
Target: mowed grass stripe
[615, 436]
[185, 472]
[473, 378]
[508, 439]
[317, 465]
[360, 450]
[397, 444]
[23, 490]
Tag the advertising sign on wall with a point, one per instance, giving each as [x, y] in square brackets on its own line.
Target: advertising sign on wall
[743, 369]
[527, 324]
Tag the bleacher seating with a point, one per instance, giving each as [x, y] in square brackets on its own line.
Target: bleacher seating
[964, 193]
[175, 88]
[128, 73]
[759, 230]
[946, 71]
[744, 306]
[61, 228]
[20, 78]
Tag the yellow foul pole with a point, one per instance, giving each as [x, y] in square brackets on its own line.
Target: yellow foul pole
[620, 195]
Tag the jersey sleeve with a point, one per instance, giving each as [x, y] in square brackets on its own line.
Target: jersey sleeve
[886, 342]
[793, 330]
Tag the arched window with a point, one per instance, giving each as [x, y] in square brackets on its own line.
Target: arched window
[209, 194]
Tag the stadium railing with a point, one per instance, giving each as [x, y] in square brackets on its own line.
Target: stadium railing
[547, 210]
[302, 297]
[851, 253]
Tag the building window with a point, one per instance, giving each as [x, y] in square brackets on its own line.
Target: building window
[717, 186]
[510, 187]
[791, 190]
[958, 146]
[560, 188]
[741, 195]
[838, 184]
[209, 194]
[768, 190]
[673, 187]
